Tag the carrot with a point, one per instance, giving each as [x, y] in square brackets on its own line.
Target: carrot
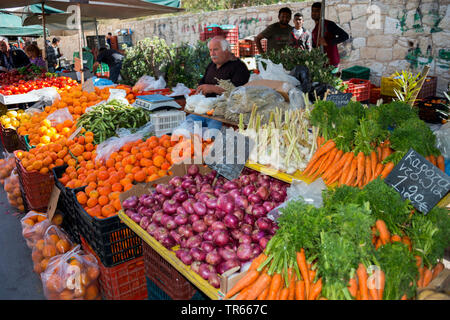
[263, 294]
[313, 166]
[379, 152]
[437, 269]
[385, 235]
[362, 281]
[352, 287]
[257, 261]
[243, 294]
[404, 297]
[340, 164]
[373, 291]
[418, 261]
[312, 275]
[360, 162]
[336, 159]
[368, 172]
[378, 170]
[421, 276]
[330, 144]
[407, 241]
[396, 238]
[427, 277]
[258, 286]
[275, 285]
[327, 162]
[433, 160]
[300, 290]
[316, 289]
[284, 294]
[291, 286]
[440, 161]
[373, 162]
[319, 164]
[387, 169]
[382, 284]
[378, 244]
[348, 172]
[250, 277]
[385, 152]
[301, 261]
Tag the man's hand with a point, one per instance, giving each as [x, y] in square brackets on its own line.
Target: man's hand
[323, 42]
[209, 88]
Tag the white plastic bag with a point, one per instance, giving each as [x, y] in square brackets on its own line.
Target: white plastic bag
[198, 103]
[59, 116]
[125, 136]
[180, 90]
[242, 99]
[149, 83]
[443, 140]
[296, 99]
[118, 94]
[275, 72]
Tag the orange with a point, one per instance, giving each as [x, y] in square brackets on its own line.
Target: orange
[49, 251]
[117, 187]
[140, 176]
[63, 246]
[158, 161]
[108, 210]
[103, 200]
[92, 202]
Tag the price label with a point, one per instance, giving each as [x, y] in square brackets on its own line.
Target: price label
[340, 99]
[418, 180]
[53, 202]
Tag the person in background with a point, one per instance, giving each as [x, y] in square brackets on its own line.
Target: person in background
[300, 37]
[11, 57]
[35, 55]
[333, 35]
[108, 39]
[114, 61]
[277, 34]
[53, 54]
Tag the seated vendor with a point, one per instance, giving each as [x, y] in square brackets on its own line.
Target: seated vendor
[224, 66]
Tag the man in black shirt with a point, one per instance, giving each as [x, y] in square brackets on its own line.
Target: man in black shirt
[224, 66]
[11, 57]
[114, 61]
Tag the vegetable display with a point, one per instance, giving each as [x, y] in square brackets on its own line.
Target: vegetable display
[104, 119]
[218, 225]
[345, 250]
[357, 144]
[16, 85]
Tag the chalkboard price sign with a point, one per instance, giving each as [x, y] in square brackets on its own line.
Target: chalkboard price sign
[418, 180]
[340, 99]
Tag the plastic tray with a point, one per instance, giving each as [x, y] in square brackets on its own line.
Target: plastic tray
[112, 240]
[165, 121]
[19, 98]
[125, 281]
[359, 88]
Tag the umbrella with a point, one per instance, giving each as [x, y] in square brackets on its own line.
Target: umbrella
[11, 25]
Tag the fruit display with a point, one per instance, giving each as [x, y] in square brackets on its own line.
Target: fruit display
[9, 87]
[14, 119]
[54, 242]
[72, 276]
[12, 188]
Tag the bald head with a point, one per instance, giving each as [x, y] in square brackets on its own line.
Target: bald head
[219, 50]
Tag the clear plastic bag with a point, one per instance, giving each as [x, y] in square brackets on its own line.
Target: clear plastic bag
[54, 242]
[7, 165]
[198, 103]
[72, 276]
[46, 97]
[59, 116]
[300, 190]
[34, 224]
[242, 99]
[32, 111]
[146, 83]
[296, 99]
[12, 188]
[125, 136]
[443, 140]
[275, 72]
[180, 90]
[118, 95]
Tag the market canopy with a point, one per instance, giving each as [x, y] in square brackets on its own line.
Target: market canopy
[11, 26]
[105, 9]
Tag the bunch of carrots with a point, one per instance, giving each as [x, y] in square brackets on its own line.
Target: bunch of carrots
[426, 275]
[356, 170]
[260, 285]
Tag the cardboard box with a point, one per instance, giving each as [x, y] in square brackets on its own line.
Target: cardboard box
[227, 279]
[273, 84]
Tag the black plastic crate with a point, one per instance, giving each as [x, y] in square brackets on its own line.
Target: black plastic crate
[156, 293]
[112, 240]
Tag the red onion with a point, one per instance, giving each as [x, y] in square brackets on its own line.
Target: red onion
[166, 190]
[207, 246]
[227, 253]
[225, 203]
[245, 238]
[263, 242]
[171, 224]
[219, 191]
[186, 258]
[200, 208]
[273, 229]
[254, 198]
[244, 180]
[277, 196]
[244, 252]
[248, 190]
[231, 221]
[234, 193]
[213, 258]
[241, 202]
[257, 235]
[253, 177]
[146, 212]
[268, 205]
[208, 235]
[195, 266]
[168, 242]
[181, 219]
[205, 270]
[239, 214]
[221, 238]
[187, 183]
[246, 228]
[248, 219]
[184, 231]
[176, 181]
[218, 225]
[194, 241]
[199, 226]
[198, 254]
[192, 190]
[192, 170]
[130, 203]
[264, 223]
[193, 217]
[149, 202]
[259, 211]
[160, 233]
[130, 212]
[136, 217]
[144, 223]
[152, 228]
[180, 196]
[207, 188]
[187, 206]
[256, 250]
[160, 198]
[179, 189]
[164, 219]
[230, 185]
[236, 234]
[263, 193]
[176, 236]
[220, 214]
[227, 265]
[214, 280]
[211, 203]
[209, 219]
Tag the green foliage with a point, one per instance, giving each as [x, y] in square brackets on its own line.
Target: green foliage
[408, 84]
[212, 5]
[154, 57]
[314, 60]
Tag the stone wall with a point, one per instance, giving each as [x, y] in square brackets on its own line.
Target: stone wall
[385, 35]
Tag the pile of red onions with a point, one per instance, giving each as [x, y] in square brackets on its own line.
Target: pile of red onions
[217, 227]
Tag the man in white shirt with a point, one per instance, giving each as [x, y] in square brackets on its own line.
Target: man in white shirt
[300, 37]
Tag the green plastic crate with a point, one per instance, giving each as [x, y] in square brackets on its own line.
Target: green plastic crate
[356, 72]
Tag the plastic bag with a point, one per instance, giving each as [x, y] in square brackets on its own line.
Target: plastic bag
[46, 97]
[198, 103]
[146, 83]
[443, 140]
[59, 116]
[301, 73]
[12, 188]
[189, 127]
[300, 190]
[72, 276]
[125, 136]
[34, 224]
[296, 99]
[275, 72]
[54, 242]
[242, 99]
[7, 165]
[180, 90]
[117, 94]
[33, 111]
